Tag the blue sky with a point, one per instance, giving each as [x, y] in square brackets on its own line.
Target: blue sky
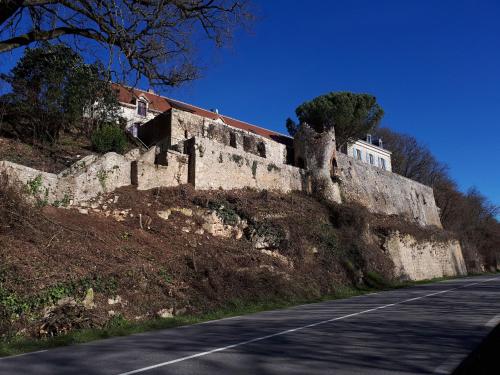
[434, 66]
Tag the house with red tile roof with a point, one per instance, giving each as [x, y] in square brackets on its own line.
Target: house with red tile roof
[141, 106]
[157, 119]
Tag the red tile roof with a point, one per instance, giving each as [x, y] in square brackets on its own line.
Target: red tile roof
[161, 104]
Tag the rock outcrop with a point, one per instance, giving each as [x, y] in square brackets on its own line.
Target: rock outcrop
[424, 259]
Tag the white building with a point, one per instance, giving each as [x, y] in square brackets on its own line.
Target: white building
[139, 106]
[371, 151]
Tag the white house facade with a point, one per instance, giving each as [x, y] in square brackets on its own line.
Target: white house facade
[138, 106]
[371, 151]
[138, 112]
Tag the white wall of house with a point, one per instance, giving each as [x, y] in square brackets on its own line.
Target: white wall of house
[370, 154]
[131, 113]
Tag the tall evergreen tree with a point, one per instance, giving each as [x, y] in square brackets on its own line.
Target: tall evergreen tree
[54, 90]
[352, 115]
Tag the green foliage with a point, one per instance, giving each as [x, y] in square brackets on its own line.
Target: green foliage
[126, 235]
[375, 280]
[102, 176]
[225, 211]
[328, 238]
[109, 138]
[254, 169]
[165, 276]
[291, 126]
[119, 326]
[237, 159]
[43, 200]
[53, 90]
[273, 233]
[117, 321]
[63, 202]
[34, 188]
[352, 115]
[14, 304]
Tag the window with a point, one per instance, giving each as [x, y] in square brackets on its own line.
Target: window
[141, 108]
[371, 159]
[134, 129]
[369, 138]
[247, 143]
[232, 139]
[382, 163]
[358, 154]
[261, 149]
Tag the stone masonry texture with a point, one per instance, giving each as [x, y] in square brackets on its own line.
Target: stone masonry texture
[212, 155]
[385, 192]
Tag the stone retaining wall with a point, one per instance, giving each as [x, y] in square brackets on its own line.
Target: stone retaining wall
[385, 192]
[27, 178]
[421, 260]
[83, 181]
[173, 172]
[185, 125]
[104, 174]
[216, 166]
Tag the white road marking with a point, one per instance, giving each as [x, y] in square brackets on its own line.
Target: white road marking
[449, 364]
[296, 307]
[202, 354]
[493, 322]
[23, 354]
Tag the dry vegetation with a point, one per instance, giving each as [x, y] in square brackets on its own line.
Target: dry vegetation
[49, 255]
[45, 157]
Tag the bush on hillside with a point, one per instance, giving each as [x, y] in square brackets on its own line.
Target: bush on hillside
[14, 211]
[109, 138]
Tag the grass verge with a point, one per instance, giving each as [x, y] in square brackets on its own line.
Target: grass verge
[121, 327]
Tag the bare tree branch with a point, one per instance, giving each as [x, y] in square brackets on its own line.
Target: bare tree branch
[153, 37]
[32, 36]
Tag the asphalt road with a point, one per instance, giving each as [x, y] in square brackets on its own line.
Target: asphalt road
[423, 329]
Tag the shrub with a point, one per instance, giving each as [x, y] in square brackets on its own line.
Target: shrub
[14, 211]
[348, 216]
[375, 280]
[225, 211]
[109, 138]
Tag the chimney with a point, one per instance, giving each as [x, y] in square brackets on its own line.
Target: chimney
[215, 110]
[151, 91]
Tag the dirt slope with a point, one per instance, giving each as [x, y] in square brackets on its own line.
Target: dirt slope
[174, 251]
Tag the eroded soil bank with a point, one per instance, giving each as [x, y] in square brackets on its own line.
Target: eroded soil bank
[135, 256]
